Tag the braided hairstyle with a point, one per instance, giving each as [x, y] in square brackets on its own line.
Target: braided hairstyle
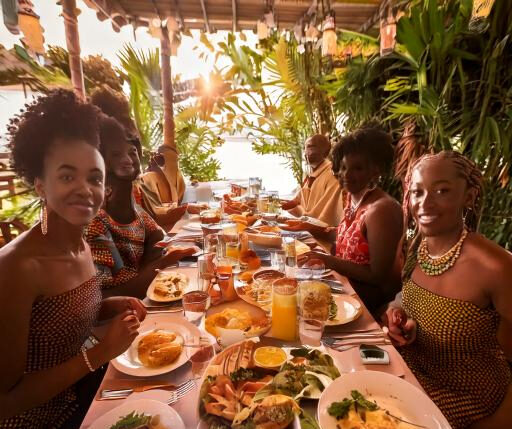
[465, 169]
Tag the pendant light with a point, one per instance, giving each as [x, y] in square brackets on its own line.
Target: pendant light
[329, 39]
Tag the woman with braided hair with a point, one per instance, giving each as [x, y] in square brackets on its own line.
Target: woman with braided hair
[454, 321]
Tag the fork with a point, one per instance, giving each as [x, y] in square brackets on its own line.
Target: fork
[179, 393]
[123, 393]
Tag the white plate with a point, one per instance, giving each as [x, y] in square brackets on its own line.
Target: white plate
[150, 293]
[168, 417]
[391, 393]
[349, 308]
[129, 362]
[193, 226]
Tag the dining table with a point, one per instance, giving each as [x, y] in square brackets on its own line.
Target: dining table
[347, 361]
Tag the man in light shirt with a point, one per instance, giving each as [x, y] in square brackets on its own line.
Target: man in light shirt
[320, 194]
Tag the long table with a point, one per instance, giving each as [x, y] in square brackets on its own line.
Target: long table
[347, 361]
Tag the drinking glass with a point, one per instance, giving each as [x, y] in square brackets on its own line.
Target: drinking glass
[313, 304]
[262, 203]
[195, 304]
[200, 351]
[210, 244]
[274, 204]
[227, 268]
[205, 271]
[278, 260]
[254, 186]
[284, 309]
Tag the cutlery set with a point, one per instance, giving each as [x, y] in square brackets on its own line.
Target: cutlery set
[177, 392]
[348, 340]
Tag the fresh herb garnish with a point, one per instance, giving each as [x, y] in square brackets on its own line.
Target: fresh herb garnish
[339, 410]
[242, 374]
[362, 401]
[333, 309]
[131, 420]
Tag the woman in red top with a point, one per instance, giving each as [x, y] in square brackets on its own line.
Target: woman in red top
[367, 238]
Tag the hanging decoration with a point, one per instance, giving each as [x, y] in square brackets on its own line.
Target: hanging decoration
[387, 30]
[155, 28]
[28, 22]
[262, 29]
[329, 39]
[312, 33]
[479, 14]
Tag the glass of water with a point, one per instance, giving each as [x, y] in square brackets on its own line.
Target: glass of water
[195, 304]
[278, 260]
[200, 351]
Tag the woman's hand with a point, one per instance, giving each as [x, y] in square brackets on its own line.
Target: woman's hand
[300, 225]
[308, 256]
[289, 204]
[121, 332]
[116, 305]
[174, 255]
[401, 328]
[196, 208]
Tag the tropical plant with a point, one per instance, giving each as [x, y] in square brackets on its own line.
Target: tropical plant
[196, 140]
[454, 84]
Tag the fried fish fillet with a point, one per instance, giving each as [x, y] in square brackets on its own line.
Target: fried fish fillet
[159, 348]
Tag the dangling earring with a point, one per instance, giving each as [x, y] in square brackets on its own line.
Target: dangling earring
[43, 217]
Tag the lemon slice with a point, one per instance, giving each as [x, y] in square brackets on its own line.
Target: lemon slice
[269, 357]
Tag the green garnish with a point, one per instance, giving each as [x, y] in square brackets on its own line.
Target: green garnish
[333, 309]
[242, 374]
[363, 402]
[339, 410]
[131, 420]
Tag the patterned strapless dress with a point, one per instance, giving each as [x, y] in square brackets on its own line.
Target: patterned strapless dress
[59, 325]
[456, 356]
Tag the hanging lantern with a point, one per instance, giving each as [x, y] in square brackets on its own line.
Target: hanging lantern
[155, 28]
[329, 39]
[269, 19]
[312, 33]
[262, 29]
[387, 33]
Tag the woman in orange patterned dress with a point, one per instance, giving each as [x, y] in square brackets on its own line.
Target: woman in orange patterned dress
[453, 319]
[49, 287]
[123, 235]
[366, 240]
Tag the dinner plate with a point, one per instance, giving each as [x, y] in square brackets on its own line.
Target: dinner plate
[391, 393]
[169, 418]
[129, 362]
[150, 293]
[193, 226]
[349, 308]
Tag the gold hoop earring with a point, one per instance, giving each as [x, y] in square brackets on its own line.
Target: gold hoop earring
[43, 217]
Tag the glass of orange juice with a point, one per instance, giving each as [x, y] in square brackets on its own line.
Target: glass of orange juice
[284, 309]
[226, 270]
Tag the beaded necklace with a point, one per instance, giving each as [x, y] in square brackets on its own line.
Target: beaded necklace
[436, 265]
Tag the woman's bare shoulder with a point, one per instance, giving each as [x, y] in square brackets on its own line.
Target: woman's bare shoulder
[19, 263]
[489, 256]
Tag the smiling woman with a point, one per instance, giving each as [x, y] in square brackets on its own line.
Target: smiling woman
[49, 285]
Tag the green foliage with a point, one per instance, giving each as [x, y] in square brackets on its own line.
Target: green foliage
[196, 140]
[457, 86]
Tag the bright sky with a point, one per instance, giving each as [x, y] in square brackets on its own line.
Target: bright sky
[98, 37]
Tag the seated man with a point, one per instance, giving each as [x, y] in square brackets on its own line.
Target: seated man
[320, 195]
[122, 236]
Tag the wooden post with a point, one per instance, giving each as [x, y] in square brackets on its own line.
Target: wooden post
[73, 45]
[165, 59]
[168, 150]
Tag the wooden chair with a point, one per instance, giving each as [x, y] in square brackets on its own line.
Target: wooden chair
[10, 230]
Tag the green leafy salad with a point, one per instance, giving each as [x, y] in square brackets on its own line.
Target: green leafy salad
[138, 421]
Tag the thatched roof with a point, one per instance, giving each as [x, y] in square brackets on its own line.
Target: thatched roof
[210, 15]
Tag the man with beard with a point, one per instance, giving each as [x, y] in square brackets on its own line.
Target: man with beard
[320, 195]
[122, 236]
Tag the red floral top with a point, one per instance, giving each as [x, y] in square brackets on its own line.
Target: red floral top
[118, 248]
[351, 244]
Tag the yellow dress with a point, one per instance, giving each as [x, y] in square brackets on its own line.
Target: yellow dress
[456, 356]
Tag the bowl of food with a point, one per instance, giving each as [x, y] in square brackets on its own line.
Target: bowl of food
[210, 216]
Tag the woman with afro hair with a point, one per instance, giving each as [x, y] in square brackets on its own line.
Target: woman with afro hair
[50, 289]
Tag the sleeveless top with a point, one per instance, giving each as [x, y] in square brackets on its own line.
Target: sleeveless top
[456, 355]
[351, 244]
[59, 325]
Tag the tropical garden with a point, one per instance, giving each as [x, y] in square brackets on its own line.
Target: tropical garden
[446, 85]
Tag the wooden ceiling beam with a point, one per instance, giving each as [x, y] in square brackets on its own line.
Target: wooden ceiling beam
[205, 16]
[178, 13]
[233, 8]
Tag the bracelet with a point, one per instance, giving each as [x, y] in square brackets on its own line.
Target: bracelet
[86, 359]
